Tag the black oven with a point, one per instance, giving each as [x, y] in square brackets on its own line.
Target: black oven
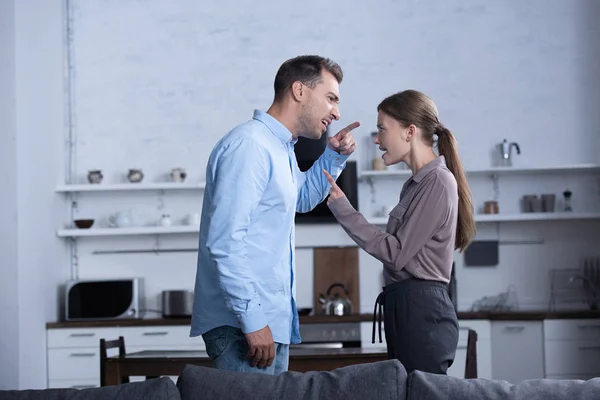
[333, 335]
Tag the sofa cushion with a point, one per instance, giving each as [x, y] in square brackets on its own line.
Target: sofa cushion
[152, 389]
[378, 380]
[422, 385]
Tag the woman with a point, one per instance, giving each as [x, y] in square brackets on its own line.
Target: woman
[433, 218]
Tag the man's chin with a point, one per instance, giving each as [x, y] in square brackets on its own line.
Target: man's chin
[314, 135]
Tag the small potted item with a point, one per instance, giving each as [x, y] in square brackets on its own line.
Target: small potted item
[94, 176]
[178, 174]
[135, 175]
[165, 220]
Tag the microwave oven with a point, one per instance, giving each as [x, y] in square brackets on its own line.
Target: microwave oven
[87, 300]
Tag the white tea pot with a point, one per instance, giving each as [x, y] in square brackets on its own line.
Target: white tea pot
[121, 219]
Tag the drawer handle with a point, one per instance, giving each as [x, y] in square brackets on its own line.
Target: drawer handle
[83, 386]
[461, 347]
[82, 334]
[515, 328]
[155, 333]
[582, 348]
[588, 326]
[82, 354]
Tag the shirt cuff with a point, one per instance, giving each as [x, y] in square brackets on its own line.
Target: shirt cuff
[252, 321]
[335, 157]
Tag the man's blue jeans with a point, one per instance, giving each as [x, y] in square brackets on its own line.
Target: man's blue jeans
[228, 348]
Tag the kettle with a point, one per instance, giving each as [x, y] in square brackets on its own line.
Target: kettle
[506, 148]
[336, 305]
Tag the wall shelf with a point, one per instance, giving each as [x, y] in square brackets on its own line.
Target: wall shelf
[138, 230]
[113, 187]
[493, 171]
[185, 229]
[550, 216]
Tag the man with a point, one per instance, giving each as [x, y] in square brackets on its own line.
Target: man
[244, 305]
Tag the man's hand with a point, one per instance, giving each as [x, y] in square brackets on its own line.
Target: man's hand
[343, 141]
[261, 347]
[335, 192]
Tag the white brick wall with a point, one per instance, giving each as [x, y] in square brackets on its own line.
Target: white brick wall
[157, 83]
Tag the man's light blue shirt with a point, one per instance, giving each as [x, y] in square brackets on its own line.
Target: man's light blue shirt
[246, 267]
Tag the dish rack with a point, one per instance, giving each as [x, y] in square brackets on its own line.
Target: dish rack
[505, 301]
[573, 285]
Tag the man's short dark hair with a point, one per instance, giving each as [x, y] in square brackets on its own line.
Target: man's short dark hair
[306, 69]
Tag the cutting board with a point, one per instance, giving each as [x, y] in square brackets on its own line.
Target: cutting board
[336, 264]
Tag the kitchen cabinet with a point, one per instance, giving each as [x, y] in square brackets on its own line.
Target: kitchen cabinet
[517, 350]
[457, 369]
[572, 348]
[74, 356]
[74, 353]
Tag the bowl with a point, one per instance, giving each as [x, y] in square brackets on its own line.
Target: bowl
[84, 223]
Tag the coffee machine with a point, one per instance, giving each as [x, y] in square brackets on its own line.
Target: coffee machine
[506, 152]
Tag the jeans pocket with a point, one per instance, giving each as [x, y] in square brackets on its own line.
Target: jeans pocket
[216, 341]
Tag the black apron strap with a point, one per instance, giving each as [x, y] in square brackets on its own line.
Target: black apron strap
[378, 316]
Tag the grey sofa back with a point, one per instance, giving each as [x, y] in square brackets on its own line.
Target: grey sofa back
[425, 386]
[381, 380]
[153, 389]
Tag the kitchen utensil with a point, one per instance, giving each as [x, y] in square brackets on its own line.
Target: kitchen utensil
[335, 304]
[83, 223]
[491, 207]
[120, 219]
[567, 202]
[135, 175]
[177, 303]
[94, 176]
[505, 301]
[178, 174]
[193, 219]
[165, 220]
[532, 203]
[506, 152]
[548, 202]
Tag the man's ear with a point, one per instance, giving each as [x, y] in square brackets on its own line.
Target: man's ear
[298, 91]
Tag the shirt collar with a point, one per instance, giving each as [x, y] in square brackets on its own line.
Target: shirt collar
[433, 164]
[274, 126]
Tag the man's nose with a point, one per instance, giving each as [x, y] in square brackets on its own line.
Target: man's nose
[335, 113]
